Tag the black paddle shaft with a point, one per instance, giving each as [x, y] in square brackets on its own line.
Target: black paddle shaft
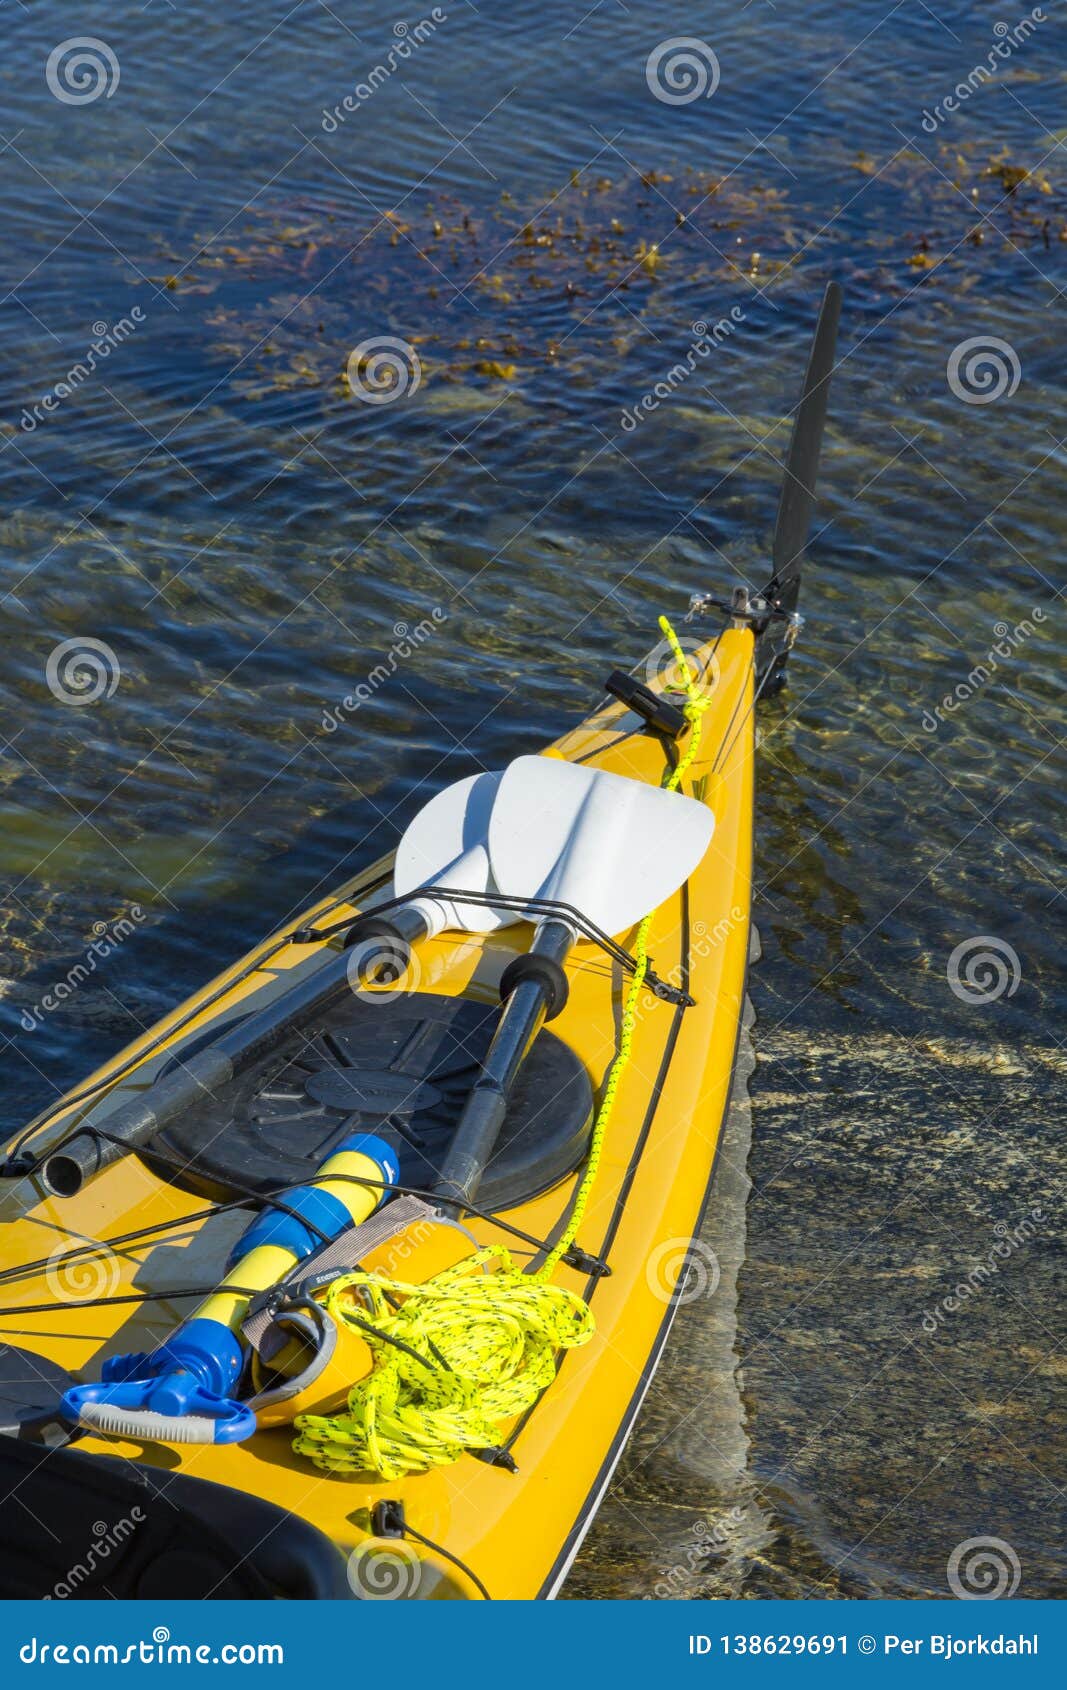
[194, 1079]
[796, 505]
[521, 1019]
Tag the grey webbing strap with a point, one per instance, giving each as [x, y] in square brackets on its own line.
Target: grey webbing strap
[338, 1255]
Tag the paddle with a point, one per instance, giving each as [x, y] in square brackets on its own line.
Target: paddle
[534, 812]
[447, 844]
[192, 1078]
[446, 839]
[607, 846]
[796, 504]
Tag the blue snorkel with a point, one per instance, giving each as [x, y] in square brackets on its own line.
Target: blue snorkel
[183, 1392]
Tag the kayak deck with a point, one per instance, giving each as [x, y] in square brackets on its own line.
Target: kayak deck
[518, 1532]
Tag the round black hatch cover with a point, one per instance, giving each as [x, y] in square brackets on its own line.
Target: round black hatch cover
[373, 1091]
[404, 1070]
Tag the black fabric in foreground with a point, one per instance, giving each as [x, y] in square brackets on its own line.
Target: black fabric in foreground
[90, 1527]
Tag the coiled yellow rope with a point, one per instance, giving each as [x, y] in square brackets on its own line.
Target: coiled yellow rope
[497, 1334]
[477, 1344]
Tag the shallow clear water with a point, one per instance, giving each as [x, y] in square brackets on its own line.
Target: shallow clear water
[250, 542]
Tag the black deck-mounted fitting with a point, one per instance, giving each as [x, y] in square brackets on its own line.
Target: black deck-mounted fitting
[387, 1518]
[384, 954]
[653, 709]
[545, 972]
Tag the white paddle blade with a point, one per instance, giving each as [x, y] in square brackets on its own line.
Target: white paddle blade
[447, 845]
[612, 847]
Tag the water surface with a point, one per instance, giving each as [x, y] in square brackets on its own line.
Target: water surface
[248, 542]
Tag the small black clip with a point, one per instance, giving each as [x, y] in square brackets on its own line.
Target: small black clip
[583, 1262]
[669, 994]
[16, 1166]
[496, 1456]
[265, 1302]
[387, 1518]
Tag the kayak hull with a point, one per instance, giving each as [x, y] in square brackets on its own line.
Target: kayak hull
[517, 1532]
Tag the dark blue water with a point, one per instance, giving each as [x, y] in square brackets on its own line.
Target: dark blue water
[247, 541]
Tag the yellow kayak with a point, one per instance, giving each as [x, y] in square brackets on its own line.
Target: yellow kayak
[111, 1256]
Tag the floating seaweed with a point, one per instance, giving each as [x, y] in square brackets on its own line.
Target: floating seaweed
[489, 295]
